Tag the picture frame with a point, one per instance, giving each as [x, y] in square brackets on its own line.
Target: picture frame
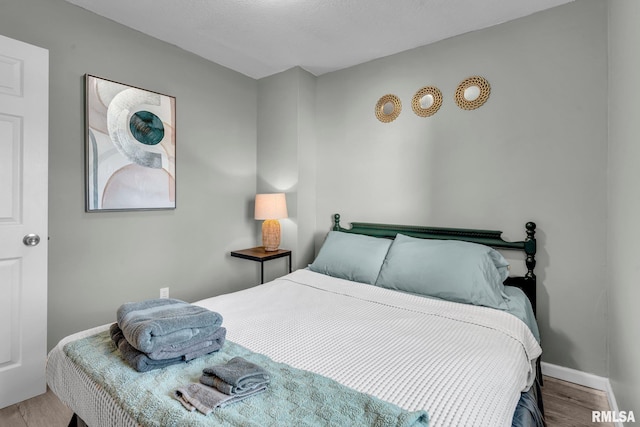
[130, 147]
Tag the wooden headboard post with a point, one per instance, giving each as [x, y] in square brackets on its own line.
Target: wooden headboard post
[530, 250]
[485, 237]
[336, 222]
[528, 283]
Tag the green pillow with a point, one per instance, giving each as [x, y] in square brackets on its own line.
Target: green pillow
[448, 269]
[353, 257]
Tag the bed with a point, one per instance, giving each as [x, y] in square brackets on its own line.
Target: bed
[361, 317]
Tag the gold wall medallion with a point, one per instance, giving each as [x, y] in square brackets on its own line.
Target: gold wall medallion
[472, 93]
[388, 108]
[427, 101]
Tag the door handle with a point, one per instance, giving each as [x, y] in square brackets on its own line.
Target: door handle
[31, 239]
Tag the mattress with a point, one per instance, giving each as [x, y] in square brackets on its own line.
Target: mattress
[464, 364]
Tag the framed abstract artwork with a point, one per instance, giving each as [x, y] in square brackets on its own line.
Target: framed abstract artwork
[130, 147]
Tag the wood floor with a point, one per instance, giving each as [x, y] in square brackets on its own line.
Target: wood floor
[565, 404]
[45, 410]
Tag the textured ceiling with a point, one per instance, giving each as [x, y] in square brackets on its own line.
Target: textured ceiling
[263, 37]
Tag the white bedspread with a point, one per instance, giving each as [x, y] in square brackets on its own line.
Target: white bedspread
[465, 365]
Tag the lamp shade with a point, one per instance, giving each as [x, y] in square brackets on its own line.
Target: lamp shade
[271, 206]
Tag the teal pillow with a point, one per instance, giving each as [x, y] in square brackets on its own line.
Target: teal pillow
[453, 270]
[353, 257]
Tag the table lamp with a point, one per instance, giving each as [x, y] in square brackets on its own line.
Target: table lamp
[270, 208]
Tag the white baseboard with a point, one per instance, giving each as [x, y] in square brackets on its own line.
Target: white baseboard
[576, 377]
[584, 379]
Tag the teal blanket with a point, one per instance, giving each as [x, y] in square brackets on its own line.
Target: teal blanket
[294, 397]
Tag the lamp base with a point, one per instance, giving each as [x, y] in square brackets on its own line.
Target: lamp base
[271, 234]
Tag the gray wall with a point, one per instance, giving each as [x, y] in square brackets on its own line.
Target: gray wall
[99, 260]
[287, 159]
[624, 203]
[535, 151]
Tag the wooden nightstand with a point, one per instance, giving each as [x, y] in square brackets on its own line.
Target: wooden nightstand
[260, 255]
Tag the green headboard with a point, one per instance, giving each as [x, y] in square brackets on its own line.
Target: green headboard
[485, 237]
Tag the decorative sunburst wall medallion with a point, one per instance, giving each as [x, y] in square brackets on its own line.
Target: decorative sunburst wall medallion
[427, 101]
[388, 108]
[472, 93]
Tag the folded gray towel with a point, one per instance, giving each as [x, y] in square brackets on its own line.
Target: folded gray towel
[135, 358]
[237, 376]
[206, 399]
[191, 350]
[157, 323]
[207, 345]
[217, 383]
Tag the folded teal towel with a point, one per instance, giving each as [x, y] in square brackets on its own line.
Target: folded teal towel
[157, 323]
[237, 376]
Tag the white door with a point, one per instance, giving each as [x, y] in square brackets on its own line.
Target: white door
[24, 113]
